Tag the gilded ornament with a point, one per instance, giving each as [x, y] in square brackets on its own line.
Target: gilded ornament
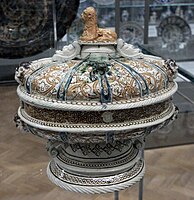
[91, 32]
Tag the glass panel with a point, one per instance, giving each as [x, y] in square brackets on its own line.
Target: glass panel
[171, 28]
[132, 21]
[29, 30]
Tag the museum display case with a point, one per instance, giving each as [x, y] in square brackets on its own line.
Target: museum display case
[171, 29]
[158, 28]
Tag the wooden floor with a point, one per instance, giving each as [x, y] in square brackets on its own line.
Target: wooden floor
[23, 162]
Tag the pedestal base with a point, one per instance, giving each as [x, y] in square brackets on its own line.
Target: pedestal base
[91, 185]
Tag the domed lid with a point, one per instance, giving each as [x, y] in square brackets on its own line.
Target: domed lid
[96, 73]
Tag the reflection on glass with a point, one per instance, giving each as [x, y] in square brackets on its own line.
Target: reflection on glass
[132, 33]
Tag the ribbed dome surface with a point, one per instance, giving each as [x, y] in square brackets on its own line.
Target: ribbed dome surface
[96, 79]
[114, 81]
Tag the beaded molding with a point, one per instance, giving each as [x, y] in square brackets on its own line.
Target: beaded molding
[61, 127]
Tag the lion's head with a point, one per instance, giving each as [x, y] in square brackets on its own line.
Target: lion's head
[89, 14]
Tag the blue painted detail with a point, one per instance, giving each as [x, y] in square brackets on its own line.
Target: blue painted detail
[137, 81]
[162, 71]
[69, 79]
[143, 79]
[67, 84]
[60, 85]
[32, 76]
[104, 98]
[109, 88]
[64, 136]
[135, 74]
[110, 137]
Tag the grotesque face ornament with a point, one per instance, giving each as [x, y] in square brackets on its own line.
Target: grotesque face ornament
[95, 101]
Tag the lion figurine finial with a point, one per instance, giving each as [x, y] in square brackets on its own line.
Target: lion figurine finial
[91, 32]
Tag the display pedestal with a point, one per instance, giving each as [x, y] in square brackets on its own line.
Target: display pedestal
[96, 168]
